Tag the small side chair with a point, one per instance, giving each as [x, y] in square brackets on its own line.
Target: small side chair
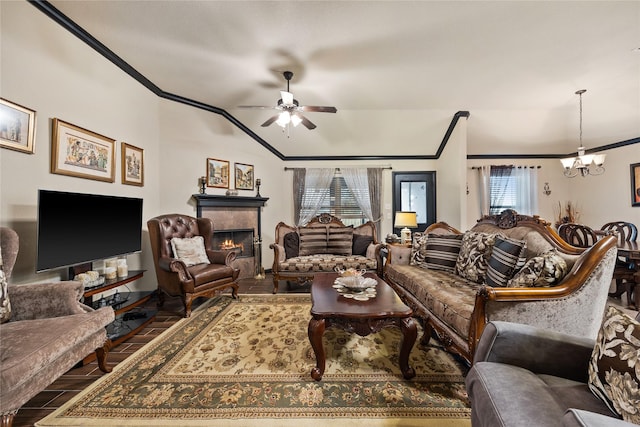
[579, 235]
[625, 271]
[175, 277]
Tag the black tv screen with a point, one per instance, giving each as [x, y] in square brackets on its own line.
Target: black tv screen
[76, 228]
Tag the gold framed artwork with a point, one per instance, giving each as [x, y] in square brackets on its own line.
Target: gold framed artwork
[79, 152]
[17, 127]
[132, 165]
[243, 174]
[217, 173]
[635, 185]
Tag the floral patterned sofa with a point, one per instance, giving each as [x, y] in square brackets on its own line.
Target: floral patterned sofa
[508, 267]
[322, 245]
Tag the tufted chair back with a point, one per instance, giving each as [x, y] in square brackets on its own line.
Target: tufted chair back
[176, 225]
[175, 278]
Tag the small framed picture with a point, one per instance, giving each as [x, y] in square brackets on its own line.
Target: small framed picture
[17, 127]
[635, 185]
[132, 165]
[82, 153]
[244, 176]
[217, 173]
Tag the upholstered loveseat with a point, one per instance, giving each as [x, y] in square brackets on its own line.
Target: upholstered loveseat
[322, 245]
[48, 331]
[549, 283]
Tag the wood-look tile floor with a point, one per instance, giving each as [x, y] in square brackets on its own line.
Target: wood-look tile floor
[77, 379]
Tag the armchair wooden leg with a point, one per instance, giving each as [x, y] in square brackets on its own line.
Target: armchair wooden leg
[187, 300]
[234, 291]
[275, 285]
[160, 298]
[101, 356]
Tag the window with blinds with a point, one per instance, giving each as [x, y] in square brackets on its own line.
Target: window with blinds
[340, 201]
[503, 192]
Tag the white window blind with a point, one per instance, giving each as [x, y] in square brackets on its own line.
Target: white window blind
[337, 200]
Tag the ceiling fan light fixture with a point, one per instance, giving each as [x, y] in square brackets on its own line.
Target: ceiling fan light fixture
[295, 120]
[284, 119]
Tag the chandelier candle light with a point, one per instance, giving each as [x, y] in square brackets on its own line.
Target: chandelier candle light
[584, 164]
[407, 220]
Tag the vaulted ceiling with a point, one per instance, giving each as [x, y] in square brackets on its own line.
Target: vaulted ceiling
[397, 71]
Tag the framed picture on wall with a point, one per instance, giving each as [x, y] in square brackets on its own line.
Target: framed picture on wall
[244, 176]
[17, 127]
[132, 165]
[635, 185]
[217, 173]
[79, 152]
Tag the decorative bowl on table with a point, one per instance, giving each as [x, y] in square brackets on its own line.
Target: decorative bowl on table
[352, 281]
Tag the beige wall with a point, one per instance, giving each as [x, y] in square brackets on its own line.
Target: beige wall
[47, 69]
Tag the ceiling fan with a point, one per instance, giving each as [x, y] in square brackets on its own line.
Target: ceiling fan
[290, 109]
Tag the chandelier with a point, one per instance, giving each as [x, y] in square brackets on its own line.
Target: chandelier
[584, 164]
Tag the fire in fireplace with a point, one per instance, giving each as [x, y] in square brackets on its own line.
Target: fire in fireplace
[240, 241]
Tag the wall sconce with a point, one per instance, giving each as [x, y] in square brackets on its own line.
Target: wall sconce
[547, 190]
[407, 220]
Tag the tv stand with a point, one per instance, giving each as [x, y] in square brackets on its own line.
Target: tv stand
[126, 324]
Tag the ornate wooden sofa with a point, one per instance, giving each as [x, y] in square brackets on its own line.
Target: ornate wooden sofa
[322, 245]
[457, 309]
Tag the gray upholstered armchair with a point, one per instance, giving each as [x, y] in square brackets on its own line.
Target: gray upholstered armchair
[177, 278]
[528, 376]
[48, 332]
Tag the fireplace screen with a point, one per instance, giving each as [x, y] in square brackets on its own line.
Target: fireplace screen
[240, 241]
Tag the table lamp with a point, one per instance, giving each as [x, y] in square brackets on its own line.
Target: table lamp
[407, 220]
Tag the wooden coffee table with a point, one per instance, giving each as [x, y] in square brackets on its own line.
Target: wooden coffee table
[362, 317]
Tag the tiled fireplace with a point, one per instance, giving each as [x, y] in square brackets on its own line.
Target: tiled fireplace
[236, 225]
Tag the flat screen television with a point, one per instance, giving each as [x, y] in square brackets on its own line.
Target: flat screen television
[77, 228]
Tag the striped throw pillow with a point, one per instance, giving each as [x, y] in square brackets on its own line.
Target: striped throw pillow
[313, 240]
[442, 251]
[340, 240]
[507, 257]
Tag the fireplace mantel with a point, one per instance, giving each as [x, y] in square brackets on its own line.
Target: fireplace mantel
[209, 201]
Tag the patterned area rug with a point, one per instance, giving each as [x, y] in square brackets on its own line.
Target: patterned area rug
[248, 362]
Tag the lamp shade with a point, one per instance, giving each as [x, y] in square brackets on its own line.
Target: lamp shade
[406, 219]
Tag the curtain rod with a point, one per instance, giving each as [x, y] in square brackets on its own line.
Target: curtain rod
[510, 166]
[359, 167]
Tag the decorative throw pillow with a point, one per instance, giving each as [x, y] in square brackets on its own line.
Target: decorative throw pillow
[313, 240]
[360, 244]
[189, 250]
[5, 304]
[614, 368]
[547, 269]
[442, 251]
[339, 240]
[507, 257]
[419, 250]
[474, 255]
[291, 244]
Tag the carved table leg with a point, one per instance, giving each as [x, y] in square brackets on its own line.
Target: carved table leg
[316, 331]
[409, 335]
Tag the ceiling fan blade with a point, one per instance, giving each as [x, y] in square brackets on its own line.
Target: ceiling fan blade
[287, 97]
[270, 120]
[317, 109]
[307, 123]
[261, 107]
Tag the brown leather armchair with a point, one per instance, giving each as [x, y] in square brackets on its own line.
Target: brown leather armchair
[174, 277]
